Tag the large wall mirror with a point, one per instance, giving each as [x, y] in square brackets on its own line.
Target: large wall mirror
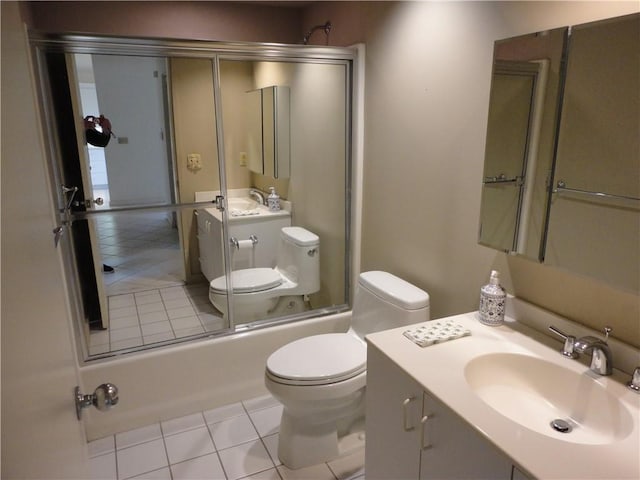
[584, 214]
[143, 241]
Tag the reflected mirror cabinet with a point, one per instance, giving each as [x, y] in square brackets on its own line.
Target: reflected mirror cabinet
[561, 180]
[199, 131]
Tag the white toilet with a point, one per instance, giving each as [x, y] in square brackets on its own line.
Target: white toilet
[320, 380]
[258, 292]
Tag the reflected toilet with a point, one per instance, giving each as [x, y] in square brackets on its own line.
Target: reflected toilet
[259, 292]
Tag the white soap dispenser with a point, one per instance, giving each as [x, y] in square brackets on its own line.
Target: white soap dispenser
[273, 200]
[492, 301]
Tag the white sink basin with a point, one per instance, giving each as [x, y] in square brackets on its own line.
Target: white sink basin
[240, 203]
[534, 392]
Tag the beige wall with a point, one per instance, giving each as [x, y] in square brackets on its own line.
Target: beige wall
[428, 74]
[194, 132]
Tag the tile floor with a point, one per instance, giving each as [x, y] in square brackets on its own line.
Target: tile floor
[157, 315]
[148, 300]
[144, 250]
[237, 441]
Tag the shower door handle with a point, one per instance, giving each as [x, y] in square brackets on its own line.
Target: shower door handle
[219, 202]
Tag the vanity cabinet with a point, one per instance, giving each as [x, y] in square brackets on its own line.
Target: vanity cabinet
[266, 229]
[412, 435]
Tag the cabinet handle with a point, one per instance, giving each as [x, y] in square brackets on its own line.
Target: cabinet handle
[423, 423]
[405, 416]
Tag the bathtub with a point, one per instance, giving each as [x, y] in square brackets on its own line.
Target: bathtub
[178, 380]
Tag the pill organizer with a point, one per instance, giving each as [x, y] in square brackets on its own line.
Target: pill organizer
[436, 332]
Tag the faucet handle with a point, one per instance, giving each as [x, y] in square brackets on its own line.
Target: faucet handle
[607, 331]
[634, 383]
[569, 341]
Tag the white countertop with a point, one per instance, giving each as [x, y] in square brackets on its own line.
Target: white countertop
[439, 369]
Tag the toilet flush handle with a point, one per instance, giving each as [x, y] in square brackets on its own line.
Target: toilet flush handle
[312, 252]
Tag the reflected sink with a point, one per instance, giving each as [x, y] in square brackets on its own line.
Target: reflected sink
[239, 206]
[533, 392]
[239, 203]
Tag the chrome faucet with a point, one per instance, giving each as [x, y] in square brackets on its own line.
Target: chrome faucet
[601, 357]
[568, 349]
[259, 196]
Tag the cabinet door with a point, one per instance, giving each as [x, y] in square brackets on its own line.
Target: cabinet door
[393, 410]
[451, 449]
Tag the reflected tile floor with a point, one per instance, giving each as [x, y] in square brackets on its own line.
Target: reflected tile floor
[144, 250]
[158, 315]
[237, 441]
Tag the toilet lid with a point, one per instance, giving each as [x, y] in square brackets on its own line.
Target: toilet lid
[248, 280]
[318, 360]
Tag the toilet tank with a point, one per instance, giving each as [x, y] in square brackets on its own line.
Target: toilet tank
[383, 301]
[299, 258]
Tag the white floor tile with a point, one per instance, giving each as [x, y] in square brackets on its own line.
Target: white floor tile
[142, 458]
[232, 432]
[138, 435]
[99, 349]
[127, 343]
[101, 446]
[182, 424]
[153, 317]
[99, 337]
[271, 474]
[202, 468]
[189, 444]
[245, 459]
[177, 303]
[120, 301]
[145, 298]
[316, 472]
[103, 467]
[186, 332]
[161, 474]
[122, 312]
[225, 412]
[148, 307]
[123, 322]
[258, 403]
[156, 327]
[125, 333]
[172, 292]
[348, 467]
[267, 420]
[181, 312]
[158, 337]
[271, 442]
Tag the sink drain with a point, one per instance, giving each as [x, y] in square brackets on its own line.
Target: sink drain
[560, 425]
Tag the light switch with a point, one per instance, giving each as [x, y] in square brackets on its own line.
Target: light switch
[194, 162]
[243, 159]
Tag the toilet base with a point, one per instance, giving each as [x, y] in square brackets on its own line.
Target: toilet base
[303, 443]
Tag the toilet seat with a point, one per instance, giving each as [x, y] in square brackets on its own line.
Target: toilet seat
[248, 280]
[318, 360]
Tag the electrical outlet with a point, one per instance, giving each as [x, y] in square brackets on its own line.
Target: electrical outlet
[194, 162]
[243, 159]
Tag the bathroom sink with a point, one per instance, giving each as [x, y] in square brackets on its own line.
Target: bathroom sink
[534, 393]
[239, 203]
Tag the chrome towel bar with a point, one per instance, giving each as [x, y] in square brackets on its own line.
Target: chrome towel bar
[561, 187]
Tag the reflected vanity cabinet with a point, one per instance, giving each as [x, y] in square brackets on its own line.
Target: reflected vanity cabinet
[265, 228]
[412, 435]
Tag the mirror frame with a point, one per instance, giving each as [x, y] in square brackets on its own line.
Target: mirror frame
[41, 42]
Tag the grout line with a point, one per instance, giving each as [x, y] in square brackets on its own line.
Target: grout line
[166, 452]
[224, 471]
